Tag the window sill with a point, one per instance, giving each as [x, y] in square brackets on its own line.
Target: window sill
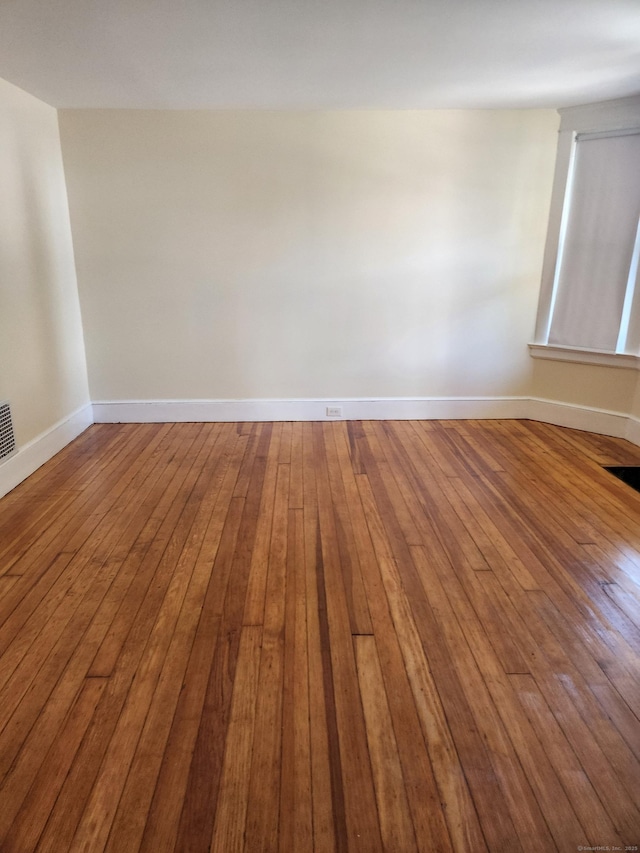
[554, 352]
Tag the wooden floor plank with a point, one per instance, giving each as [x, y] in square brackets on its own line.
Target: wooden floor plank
[593, 816]
[355, 594]
[69, 589]
[341, 636]
[527, 820]
[231, 814]
[296, 808]
[143, 725]
[363, 830]
[558, 813]
[78, 463]
[474, 754]
[70, 804]
[572, 581]
[41, 797]
[46, 717]
[255, 603]
[198, 812]
[327, 795]
[422, 790]
[140, 653]
[481, 523]
[396, 825]
[263, 807]
[462, 818]
[100, 491]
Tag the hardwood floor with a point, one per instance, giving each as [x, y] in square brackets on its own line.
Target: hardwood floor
[342, 636]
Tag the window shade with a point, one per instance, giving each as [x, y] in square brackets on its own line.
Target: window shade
[598, 246]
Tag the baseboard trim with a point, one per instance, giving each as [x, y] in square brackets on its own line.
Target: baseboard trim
[390, 408]
[31, 456]
[585, 418]
[43, 447]
[589, 419]
[633, 430]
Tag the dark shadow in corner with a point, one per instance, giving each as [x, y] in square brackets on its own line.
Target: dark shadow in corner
[629, 474]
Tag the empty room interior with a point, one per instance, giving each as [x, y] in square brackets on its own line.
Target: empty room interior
[319, 426]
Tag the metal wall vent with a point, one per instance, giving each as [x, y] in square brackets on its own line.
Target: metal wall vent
[7, 438]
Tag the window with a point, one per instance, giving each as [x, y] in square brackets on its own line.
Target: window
[589, 302]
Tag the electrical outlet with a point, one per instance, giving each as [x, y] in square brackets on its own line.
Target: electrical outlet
[334, 411]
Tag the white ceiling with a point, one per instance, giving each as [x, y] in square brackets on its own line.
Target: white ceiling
[321, 54]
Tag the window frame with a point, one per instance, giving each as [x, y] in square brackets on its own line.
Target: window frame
[605, 118]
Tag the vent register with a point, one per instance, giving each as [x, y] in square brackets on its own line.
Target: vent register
[7, 438]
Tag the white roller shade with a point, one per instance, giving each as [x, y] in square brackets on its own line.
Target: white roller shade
[597, 250]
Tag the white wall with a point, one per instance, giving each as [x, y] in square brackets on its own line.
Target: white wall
[42, 360]
[585, 385]
[308, 255]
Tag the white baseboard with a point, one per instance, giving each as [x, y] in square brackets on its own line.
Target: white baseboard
[633, 430]
[43, 447]
[579, 417]
[390, 408]
[31, 456]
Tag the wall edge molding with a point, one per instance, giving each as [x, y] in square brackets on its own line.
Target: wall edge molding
[633, 430]
[44, 447]
[587, 418]
[576, 355]
[381, 408]
[31, 456]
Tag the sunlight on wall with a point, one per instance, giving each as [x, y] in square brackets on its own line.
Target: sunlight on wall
[43, 368]
[347, 254]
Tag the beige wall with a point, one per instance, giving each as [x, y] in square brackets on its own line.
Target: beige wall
[304, 255]
[42, 361]
[609, 388]
[635, 403]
